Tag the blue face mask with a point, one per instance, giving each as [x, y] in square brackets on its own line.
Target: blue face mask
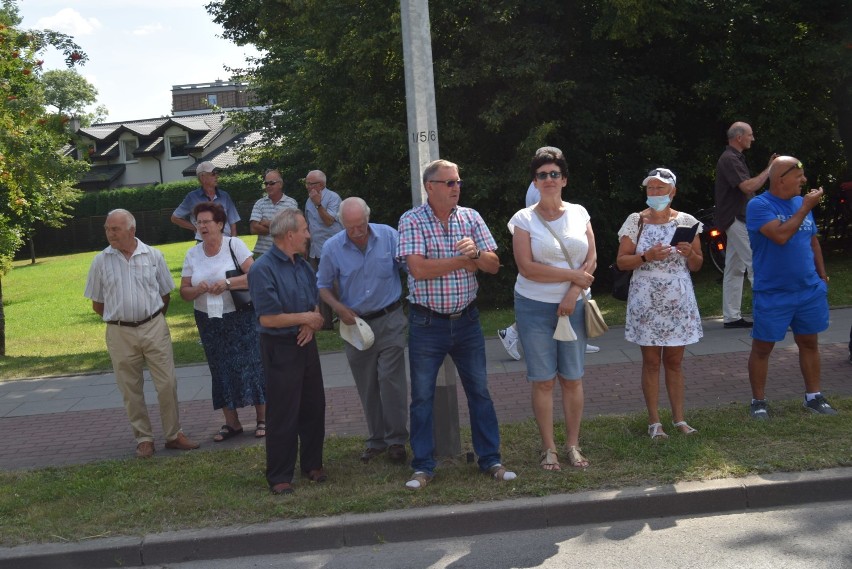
[658, 203]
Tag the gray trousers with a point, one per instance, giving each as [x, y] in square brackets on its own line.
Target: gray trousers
[382, 381]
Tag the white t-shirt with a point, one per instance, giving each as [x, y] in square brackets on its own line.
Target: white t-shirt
[200, 267]
[571, 227]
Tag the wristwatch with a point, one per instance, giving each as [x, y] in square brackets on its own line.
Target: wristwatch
[228, 284]
[478, 254]
[642, 256]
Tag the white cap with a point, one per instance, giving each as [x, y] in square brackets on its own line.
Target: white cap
[360, 335]
[664, 175]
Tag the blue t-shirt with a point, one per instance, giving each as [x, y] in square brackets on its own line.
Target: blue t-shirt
[788, 267]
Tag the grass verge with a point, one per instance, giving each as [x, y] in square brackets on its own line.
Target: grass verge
[52, 331]
[208, 488]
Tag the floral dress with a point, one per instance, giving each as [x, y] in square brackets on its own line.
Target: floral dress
[661, 308]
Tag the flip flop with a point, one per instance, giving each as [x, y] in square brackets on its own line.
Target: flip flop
[225, 433]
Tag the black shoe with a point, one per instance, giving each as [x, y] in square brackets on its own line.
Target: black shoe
[370, 453]
[397, 453]
[819, 405]
[741, 323]
[759, 410]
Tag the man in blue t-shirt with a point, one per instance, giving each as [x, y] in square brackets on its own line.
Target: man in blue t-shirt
[790, 283]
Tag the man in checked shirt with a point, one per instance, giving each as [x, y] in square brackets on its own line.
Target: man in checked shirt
[444, 246]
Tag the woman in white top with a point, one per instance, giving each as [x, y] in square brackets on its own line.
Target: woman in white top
[228, 335]
[549, 287]
[662, 313]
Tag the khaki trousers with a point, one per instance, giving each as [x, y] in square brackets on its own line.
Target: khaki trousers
[130, 349]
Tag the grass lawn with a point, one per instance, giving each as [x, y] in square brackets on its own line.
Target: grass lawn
[227, 487]
[51, 329]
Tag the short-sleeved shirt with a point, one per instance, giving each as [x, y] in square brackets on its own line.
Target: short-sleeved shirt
[199, 267]
[320, 232]
[533, 195]
[130, 289]
[281, 285]
[265, 209]
[571, 227]
[195, 197]
[731, 171]
[422, 233]
[368, 280]
[788, 267]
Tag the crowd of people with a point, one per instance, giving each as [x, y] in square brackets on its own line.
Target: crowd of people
[329, 258]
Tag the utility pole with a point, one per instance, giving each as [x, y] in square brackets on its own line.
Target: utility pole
[422, 149]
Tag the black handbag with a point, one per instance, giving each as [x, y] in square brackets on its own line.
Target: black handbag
[620, 278]
[241, 298]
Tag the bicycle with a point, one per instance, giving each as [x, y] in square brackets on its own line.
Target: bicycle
[715, 241]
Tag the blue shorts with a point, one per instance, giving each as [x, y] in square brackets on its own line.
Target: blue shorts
[805, 312]
[544, 356]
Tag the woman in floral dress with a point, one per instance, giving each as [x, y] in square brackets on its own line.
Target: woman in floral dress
[662, 313]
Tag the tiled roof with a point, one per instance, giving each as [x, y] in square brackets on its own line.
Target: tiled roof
[226, 155]
[99, 177]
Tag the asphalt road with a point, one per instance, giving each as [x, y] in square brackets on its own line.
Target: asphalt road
[784, 538]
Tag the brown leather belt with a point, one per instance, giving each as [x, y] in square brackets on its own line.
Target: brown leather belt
[386, 310]
[136, 323]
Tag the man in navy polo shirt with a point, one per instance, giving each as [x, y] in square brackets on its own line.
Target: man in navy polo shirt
[208, 176]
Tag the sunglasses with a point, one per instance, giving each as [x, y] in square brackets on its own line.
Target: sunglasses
[661, 173]
[271, 182]
[450, 183]
[798, 165]
[553, 175]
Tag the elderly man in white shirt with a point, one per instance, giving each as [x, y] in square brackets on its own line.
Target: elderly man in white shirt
[130, 286]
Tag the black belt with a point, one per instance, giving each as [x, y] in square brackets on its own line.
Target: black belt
[136, 323]
[443, 315]
[386, 310]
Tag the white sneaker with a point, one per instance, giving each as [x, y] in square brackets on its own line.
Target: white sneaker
[509, 337]
[590, 349]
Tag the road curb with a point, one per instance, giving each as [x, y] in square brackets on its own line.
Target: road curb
[351, 530]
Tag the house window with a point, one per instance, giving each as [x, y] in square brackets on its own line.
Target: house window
[213, 99]
[128, 145]
[177, 146]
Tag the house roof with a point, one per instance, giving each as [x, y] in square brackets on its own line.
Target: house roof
[100, 177]
[226, 155]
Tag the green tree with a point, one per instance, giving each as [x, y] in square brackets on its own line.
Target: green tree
[620, 85]
[68, 91]
[36, 181]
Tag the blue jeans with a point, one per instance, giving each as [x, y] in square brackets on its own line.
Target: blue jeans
[430, 340]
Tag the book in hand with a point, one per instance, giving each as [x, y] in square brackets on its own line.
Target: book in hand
[684, 233]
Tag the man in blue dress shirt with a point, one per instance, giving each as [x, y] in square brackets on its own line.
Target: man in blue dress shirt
[362, 259]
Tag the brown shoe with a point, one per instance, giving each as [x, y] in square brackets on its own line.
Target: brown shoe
[317, 475]
[397, 453]
[145, 449]
[370, 453]
[182, 442]
[282, 488]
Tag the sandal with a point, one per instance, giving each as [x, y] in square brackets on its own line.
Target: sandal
[655, 431]
[499, 473]
[684, 428]
[225, 433]
[260, 430]
[549, 460]
[419, 480]
[576, 459]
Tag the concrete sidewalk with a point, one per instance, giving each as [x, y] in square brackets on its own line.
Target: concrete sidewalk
[42, 419]
[80, 419]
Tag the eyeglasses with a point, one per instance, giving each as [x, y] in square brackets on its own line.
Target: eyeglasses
[271, 182]
[798, 165]
[661, 173]
[450, 183]
[204, 222]
[553, 175]
[310, 184]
